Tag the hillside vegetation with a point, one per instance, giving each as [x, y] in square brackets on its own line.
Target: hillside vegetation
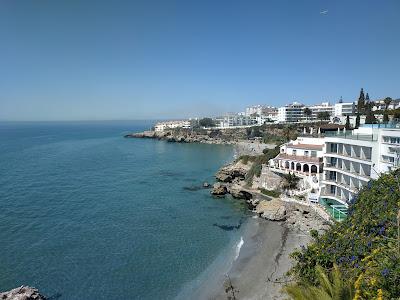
[365, 247]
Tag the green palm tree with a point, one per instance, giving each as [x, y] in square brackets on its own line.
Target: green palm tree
[331, 287]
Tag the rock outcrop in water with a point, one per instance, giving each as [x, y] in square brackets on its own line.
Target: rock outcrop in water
[22, 293]
[219, 189]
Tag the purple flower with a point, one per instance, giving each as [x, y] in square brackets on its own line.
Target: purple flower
[369, 244]
[385, 272]
[381, 230]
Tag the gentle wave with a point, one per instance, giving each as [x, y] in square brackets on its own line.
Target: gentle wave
[238, 247]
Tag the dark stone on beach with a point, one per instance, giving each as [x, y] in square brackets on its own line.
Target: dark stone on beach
[22, 293]
[206, 185]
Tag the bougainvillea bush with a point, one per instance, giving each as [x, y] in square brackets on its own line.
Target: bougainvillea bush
[365, 246]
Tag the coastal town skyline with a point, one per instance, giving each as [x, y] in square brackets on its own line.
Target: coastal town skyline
[135, 60]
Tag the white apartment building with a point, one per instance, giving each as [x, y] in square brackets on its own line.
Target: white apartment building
[344, 109]
[303, 157]
[380, 104]
[235, 120]
[293, 112]
[161, 126]
[254, 110]
[323, 107]
[352, 160]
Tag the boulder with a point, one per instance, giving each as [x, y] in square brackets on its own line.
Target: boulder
[237, 192]
[232, 171]
[273, 210]
[206, 185]
[22, 293]
[219, 189]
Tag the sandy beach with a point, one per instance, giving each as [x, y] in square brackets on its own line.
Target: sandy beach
[263, 260]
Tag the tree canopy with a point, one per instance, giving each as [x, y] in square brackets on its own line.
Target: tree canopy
[207, 122]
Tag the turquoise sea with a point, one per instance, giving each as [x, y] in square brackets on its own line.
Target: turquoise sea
[88, 214]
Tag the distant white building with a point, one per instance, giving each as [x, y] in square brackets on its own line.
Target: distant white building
[254, 110]
[380, 104]
[344, 109]
[161, 126]
[235, 120]
[293, 112]
[319, 108]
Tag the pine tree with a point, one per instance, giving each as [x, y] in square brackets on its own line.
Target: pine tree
[385, 118]
[361, 102]
[357, 121]
[347, 126]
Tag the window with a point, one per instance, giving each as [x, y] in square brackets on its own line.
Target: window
[334, 148]
[306, 153]
[294, 152]
[313, 153]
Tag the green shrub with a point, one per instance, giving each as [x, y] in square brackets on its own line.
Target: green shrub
[258, 161]
[273, 193]
[364, 246]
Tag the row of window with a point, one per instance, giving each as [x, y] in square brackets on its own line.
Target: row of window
[391, 139]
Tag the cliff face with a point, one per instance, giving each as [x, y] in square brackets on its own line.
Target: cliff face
[22, 293]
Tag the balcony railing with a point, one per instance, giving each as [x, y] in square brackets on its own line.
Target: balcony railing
[302, 158]
[349, 135]
[343, 185]
[333, 166]
[368, 158]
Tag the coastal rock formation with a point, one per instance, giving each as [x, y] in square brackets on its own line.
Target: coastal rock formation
[22, 293]
[239, 193]
[233, 171]
[295, 215]
[272, 180]
[219, 189]
[206, 185]
[273, 210]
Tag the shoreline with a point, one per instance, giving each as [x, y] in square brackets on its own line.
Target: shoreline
[263, 261]
[254, 267]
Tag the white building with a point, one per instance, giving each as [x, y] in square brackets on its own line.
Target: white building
[319, 108]
[344, 109]
[352, 160]
[235, 120]
[380, 104]
[303, 156]
[161, 126]
[254, 110]
[293, 112]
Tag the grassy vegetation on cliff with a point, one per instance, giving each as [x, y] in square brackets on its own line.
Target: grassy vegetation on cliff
[365, 247]
[273, 193]
[258, 161]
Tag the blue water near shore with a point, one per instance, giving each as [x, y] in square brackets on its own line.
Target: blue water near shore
[87, 214]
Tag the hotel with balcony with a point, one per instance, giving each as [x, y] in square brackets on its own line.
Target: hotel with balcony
[352, 159]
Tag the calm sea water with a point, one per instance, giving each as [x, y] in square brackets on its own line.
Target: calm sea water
[87, 214]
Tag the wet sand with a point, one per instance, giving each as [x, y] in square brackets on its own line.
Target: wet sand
[263, 261]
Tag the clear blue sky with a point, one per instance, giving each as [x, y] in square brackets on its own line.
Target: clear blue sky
[85, 60]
